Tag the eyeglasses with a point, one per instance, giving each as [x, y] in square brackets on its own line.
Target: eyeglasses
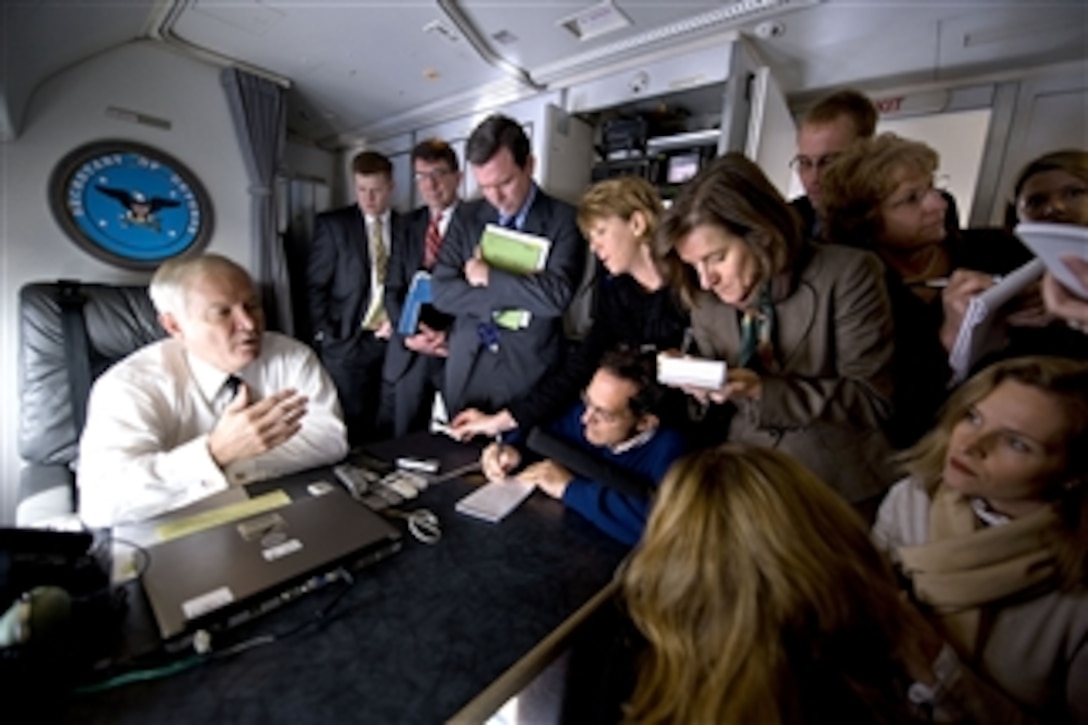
[602, 414]
[432, 175]
[915, 197]
[807, 164]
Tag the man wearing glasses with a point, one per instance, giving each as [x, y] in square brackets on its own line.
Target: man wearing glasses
[415, 363]
[829, 128]
[617, 422]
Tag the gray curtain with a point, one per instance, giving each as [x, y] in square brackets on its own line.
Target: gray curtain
[299, 200]
[259, 109]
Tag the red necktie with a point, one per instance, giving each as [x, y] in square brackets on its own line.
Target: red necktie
[432, 242]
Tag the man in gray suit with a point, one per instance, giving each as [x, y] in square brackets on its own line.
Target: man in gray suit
[488, 364]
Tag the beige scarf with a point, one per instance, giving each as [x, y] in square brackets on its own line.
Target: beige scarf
[964, 565]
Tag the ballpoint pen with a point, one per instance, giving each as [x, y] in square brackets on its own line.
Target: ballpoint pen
[689, 337]
[942, 282]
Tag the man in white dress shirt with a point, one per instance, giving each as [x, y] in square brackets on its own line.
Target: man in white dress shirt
[219, 403]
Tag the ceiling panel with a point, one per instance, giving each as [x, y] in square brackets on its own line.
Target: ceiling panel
[360, 68]
[530, 35]
[353, 63]
[39, 39]
[841, 42]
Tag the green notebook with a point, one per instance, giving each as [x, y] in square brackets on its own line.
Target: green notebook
[517, 253]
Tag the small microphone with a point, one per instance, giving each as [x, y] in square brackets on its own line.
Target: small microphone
[40, 613]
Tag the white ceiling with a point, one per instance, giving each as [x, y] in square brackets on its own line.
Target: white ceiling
[353, 64]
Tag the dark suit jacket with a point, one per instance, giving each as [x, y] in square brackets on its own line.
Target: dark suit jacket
[524, 356]
[406, 260]
[828, 400]
[338, 274]
[338, 293]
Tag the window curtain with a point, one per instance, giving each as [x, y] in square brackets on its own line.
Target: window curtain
[299, 199]
[259, 109]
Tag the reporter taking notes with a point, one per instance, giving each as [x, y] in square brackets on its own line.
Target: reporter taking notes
[617, 424]
[221, 402]
[805, 329]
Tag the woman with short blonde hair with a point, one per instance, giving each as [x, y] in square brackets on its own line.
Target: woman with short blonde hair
[623, 198]
[857, 184]
[879, 194]
[633, 305]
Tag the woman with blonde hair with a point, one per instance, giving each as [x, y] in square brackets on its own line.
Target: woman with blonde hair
[633, 306]
[880, 195]
[991, 532]
[805, 329]
[762, 599]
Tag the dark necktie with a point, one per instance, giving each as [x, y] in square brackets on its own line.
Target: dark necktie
[226, 393]
[432, 242]
[231, 385]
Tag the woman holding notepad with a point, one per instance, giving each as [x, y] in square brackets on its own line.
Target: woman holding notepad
[880, 195]
[805, 329]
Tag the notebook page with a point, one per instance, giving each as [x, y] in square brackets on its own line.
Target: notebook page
[982, 330]
[494, 500]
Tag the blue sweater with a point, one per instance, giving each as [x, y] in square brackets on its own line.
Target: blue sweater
[619, 515]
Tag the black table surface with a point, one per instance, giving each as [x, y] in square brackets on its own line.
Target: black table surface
[414, 639]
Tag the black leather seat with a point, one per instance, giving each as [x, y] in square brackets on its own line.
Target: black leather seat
[118, 319]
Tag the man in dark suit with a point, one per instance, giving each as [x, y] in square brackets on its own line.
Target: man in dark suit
[415, 364]
[828, 129]
[489, 364]
[345, 290]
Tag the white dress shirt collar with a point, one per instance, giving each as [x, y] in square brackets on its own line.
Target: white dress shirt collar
[208, 378]
[641, 438]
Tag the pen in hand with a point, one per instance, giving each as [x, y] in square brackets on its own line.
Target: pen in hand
[942, 282]
[685, 345]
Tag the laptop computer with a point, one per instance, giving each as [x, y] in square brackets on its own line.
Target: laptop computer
[223, 575]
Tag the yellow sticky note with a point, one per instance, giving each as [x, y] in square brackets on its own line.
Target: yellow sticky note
[225, 514]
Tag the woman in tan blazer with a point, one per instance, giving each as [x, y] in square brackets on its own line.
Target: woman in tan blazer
[806, 330]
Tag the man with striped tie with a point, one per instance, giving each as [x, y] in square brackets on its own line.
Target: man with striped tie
[345, 290]
[415, 363]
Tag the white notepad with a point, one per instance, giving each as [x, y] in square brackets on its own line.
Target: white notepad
[981, 331]
[495, 499]
[690, 371]
[1051, 242]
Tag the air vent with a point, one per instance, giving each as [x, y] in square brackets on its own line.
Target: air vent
[125, 114]
[595, 21]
